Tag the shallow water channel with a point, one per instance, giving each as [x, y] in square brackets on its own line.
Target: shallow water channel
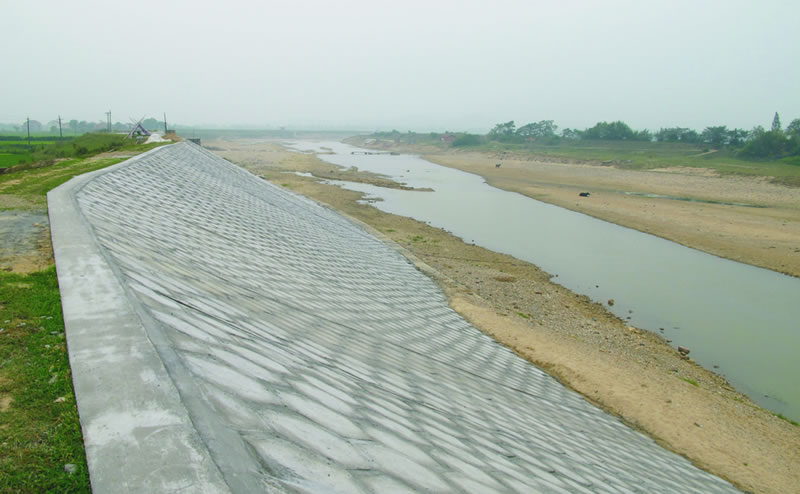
[743, 319]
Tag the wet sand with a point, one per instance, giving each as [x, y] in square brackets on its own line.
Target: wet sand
[631, 373]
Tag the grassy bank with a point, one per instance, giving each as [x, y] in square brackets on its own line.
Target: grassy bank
[31, 185]
[16, 154]
[41, 446]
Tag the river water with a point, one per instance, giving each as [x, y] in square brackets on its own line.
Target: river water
[742, 319]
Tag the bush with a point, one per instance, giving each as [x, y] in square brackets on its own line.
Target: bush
[466, 140]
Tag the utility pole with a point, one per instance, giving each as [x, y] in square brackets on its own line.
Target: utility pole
[165, 123]
[60, 134]
[28, 123]
[108, 117]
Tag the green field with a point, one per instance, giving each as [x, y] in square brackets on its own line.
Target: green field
[41, 445]
[15, 152]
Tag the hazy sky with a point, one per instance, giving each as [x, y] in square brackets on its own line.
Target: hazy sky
[419, 65]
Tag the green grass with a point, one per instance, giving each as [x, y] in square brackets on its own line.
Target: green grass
[33, 184]
[16, 153]
[690, 381]
[40, 432]
[7, 159]
[780, 416]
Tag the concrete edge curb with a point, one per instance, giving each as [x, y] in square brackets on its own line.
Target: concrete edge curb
[137, 432]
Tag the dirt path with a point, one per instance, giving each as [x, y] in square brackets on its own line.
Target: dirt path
[24, 241]
[631, 373]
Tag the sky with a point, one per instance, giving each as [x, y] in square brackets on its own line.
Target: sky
[409, 65]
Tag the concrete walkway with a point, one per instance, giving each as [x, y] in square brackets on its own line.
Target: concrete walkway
[226, 335]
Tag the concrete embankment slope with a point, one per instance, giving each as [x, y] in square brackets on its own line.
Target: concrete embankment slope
[228, 335]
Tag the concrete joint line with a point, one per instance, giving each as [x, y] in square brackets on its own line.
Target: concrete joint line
[114, 355]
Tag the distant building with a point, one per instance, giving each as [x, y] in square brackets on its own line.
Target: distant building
[447, 138]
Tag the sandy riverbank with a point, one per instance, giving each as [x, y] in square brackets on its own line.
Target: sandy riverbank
[631, 373]
[747, 219]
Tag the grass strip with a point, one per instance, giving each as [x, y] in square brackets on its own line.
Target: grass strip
[41, 445]
[40, 435]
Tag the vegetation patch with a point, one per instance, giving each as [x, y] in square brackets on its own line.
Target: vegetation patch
[16, 154]
[780, 416]
[41, 446]
[33, 184]
[39, 428]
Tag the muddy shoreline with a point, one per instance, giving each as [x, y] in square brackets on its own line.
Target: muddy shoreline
[632, 373]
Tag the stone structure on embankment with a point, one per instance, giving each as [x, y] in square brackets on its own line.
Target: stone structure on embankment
[226, 335]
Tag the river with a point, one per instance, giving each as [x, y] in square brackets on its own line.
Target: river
[740, 320]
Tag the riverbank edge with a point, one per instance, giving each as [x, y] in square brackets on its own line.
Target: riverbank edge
[744, 444]
[608, 216]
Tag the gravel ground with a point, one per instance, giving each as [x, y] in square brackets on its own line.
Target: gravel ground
[24, 241]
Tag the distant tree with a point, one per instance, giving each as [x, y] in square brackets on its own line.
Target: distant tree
[776, 122]
[643, 135]
[793, 129]
[737, 137]
[464, 140]
[671, 134]
[771, 144]
[715, 136]
[503, 130]
[542, 128]
[690, 136]
[611, 131]
[570, 134]
[677, 134]
[35, 126]
[153, 124]
[73, 124]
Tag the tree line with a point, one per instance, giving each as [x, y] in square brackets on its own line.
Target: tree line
[757, 143]
[77, 126]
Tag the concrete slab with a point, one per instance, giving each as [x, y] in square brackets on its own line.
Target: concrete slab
[233, 336]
